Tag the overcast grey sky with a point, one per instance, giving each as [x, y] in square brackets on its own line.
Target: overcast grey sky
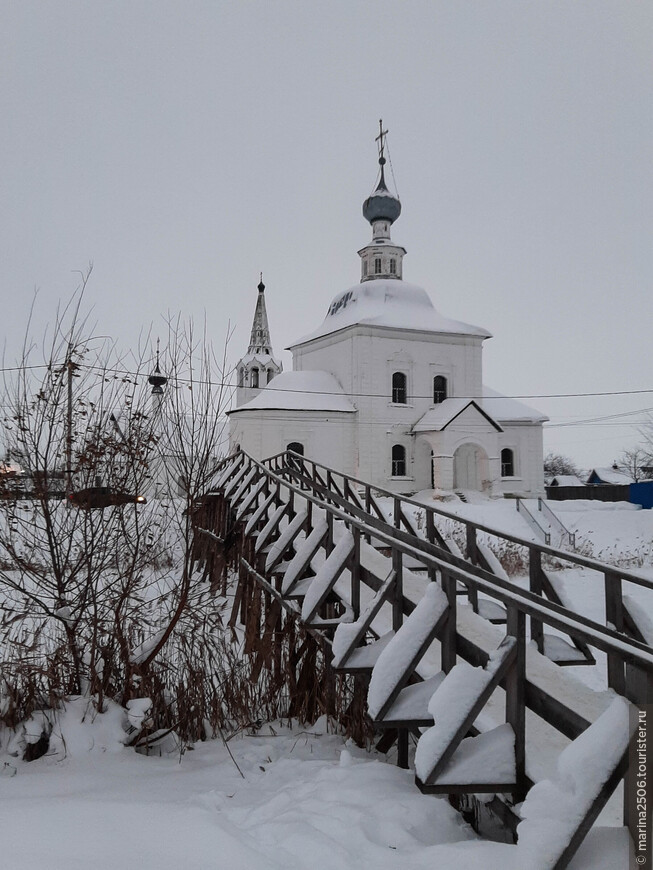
[183, 147]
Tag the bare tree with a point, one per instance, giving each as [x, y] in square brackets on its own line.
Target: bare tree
[636, 463]
[556, 464]
[109, 602]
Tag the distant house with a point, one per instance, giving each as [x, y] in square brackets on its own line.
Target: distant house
[565, 480]
[610, 475]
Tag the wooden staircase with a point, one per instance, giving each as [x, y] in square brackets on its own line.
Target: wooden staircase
[335, 558]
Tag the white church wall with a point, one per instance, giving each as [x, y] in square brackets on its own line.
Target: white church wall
[525, 440]
[363, 359]
[327, 437]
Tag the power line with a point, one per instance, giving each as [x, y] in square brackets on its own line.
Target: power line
[232, 385]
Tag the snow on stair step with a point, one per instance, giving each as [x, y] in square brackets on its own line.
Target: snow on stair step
[555, 807]
[269, 527]
[349, 634]
[226, 472]
[250, 499]
[256, 517]
[491, 610]
[300, 588]
[233, 482]
[303, 555]
[235, 498]
[412, 703]
[560, 650]
[284, 539]
[451, 704]
[397, 657]
[327, 575]
[488, 758]
[363, 658]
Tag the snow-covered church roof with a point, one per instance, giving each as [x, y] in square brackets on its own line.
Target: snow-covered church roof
[438, 418]
[388, 303]
[300, 391]
[504, 409]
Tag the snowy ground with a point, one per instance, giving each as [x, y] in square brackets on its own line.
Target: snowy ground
[306, 801]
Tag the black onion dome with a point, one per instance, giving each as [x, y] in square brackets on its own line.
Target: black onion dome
[157, 380]
[382, 205]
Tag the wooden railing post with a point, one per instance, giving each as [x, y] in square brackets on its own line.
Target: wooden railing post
[329, 543]
[516, 697]
[614, 615]
[535, 580]
[396, 512]
[472, 555]
[368, 507]
[398, 590]
[448, 641]
[356, 573]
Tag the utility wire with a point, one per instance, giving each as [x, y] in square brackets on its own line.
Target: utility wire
[108, 372]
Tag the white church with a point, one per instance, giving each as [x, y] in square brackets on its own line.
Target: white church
[387, 389]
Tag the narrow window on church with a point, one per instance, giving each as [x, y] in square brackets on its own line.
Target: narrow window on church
[439, 389]
[393, 267]
[364, 268]
[398, 460]
[399, 388]
[241, 377]
[507, 462]
[270, 375]
[255, 377]
[377, 266]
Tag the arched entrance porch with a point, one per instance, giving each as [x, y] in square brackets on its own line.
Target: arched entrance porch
[470, 467]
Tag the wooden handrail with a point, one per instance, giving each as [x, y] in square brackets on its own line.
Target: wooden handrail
[610, 641]
[563, 555]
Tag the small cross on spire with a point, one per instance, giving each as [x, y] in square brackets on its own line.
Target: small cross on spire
[380, 139]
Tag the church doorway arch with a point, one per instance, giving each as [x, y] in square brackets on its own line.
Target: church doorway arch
[470, 467]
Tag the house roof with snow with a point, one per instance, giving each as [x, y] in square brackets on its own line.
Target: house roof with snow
[300, 391]
[438, 418]
[505, 410]
[609, 475]
[565, 480]
[391, 304]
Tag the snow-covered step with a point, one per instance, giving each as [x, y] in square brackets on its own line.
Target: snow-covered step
[399, 659]
[246, 482]
[484, 763]
[454, 707]
[492, 611]
[259, 514]
[235, 480]
[286, 538]
[227, 471]
[250, 500]
[411, 707]
[562, 652]
[299, 589]
[560, 810]
[327, 575]
[271, 526]
[363, 658]
[348, 637]
[302, 558]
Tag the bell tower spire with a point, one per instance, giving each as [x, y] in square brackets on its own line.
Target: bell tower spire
[381, 258]
[259, 365]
